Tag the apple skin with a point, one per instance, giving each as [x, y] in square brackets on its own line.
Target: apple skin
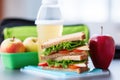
[30, 44]
[12, 46]
[102, 50]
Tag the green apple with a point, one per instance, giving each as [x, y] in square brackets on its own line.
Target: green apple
[12, 45]
[30, 44]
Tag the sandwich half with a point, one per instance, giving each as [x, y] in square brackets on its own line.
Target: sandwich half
[66, 53]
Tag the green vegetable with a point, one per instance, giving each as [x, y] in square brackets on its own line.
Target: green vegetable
[63, 63]
[65, 45]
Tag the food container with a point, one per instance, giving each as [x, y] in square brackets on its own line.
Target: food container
[18, 60]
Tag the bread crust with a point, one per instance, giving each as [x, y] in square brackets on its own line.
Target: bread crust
[65, 38]
[78, 70]
[82, 55]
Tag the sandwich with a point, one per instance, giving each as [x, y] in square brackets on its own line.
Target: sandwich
[65, 53]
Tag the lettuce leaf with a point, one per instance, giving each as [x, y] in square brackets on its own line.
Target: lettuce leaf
[63, 63]
[65, 45]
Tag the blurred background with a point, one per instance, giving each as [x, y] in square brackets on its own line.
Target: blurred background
[93, 13]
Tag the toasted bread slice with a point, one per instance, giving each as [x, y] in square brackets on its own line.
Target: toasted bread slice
[78, 70]
[66, 38]
[72, 57]
[81, 55]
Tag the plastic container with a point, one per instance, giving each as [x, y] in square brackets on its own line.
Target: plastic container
[18, 60]
[49, 22]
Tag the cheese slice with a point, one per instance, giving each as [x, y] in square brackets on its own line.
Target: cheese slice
[72, 57]
[83, 47]
[81, 65]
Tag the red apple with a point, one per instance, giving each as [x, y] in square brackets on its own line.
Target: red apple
[102, 50]
[12, 45]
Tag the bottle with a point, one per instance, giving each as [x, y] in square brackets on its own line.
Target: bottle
[49, 22]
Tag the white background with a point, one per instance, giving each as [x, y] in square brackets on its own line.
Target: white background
[94, 13]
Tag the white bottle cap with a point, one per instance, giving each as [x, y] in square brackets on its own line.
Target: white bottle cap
[49, 2]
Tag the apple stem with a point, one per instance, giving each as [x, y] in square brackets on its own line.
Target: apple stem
[101, 30]
[13, 38]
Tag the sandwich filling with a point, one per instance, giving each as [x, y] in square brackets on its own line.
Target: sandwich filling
[64, 63]
[63, 46]
[66, 55]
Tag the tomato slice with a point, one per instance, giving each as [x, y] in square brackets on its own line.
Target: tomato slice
[77, 51]
[73, 67]
[43, 64]
[64, 51]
